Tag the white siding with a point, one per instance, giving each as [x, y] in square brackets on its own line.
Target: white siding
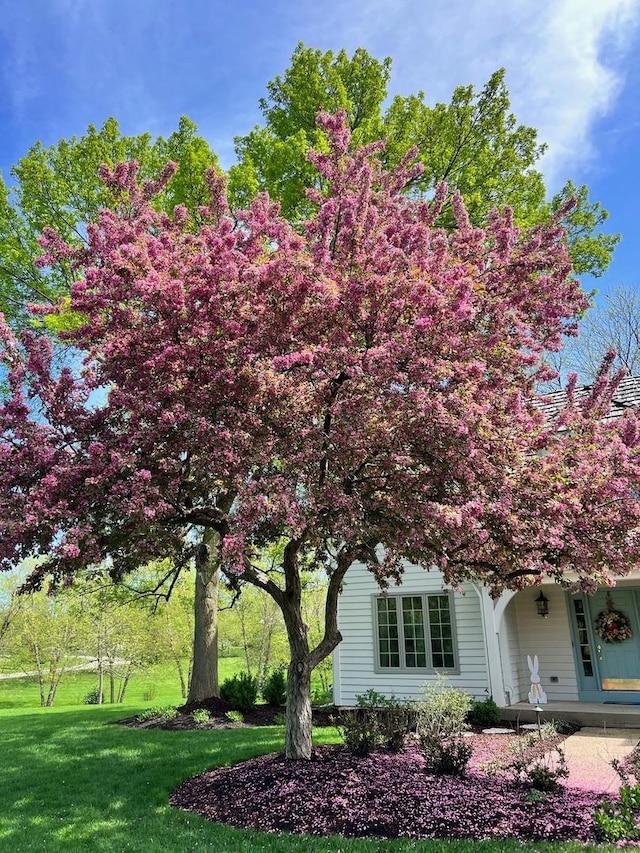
[549, 638]
[354, 660]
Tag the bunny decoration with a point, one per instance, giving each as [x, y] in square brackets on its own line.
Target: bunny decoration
[537, 696]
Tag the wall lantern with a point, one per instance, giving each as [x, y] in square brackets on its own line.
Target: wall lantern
[542, 603]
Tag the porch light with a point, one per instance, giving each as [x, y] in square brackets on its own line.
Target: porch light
[542, 603]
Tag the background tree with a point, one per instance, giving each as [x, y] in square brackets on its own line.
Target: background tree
[474, 143]
[613, 323]
[59, 187]
[43, 640]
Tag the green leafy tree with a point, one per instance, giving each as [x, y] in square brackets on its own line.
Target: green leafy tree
[474, 143]
[58, 187]
[43, 640]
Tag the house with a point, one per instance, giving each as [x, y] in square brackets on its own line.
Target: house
[394, 643]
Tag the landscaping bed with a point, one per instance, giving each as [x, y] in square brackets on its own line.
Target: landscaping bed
[387, 795]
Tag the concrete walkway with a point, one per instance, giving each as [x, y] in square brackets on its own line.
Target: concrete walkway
[589, 753]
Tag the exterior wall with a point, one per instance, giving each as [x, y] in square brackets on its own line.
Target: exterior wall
[549, 638]
[354, 659]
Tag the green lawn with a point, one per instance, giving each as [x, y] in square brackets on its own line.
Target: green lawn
[158, 685]
[71, 779]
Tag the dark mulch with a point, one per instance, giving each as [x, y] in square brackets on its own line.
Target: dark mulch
[384, 796]
[261, 715]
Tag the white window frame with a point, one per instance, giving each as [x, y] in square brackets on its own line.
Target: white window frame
[429, 669]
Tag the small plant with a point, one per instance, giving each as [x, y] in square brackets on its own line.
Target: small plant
[446, 756]
[483, 714]
[542, 773]
[274, 689]
[149, 693]
[163, 715]
[92, 698]
[167, 714]
[618, 820]
[241, 691]
[201, 716]
[279, 720]
[235, 716]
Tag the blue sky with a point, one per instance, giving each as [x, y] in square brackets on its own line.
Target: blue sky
[572, 69]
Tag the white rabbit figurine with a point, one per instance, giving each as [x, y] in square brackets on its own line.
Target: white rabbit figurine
[537, 696]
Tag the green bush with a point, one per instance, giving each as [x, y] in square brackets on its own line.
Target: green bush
[443, 713]
[274, 689]
[448, 756]
[241, 691]
[92, 698]
[483, 714]
[618, 821]
[541, 774]
[376, 722]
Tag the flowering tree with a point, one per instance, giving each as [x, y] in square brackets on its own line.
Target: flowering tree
[363, 391]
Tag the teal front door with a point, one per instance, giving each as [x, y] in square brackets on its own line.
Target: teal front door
[607, 671]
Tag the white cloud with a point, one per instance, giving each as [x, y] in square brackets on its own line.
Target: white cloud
[564, 58]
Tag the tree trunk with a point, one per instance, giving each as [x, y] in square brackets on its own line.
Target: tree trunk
[204, 675]
[124, 683]
[298, 736]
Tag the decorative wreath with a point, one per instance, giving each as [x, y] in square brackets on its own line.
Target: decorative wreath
[611, 625]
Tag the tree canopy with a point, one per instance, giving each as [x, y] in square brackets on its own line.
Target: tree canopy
[474, 143]
[360, 390]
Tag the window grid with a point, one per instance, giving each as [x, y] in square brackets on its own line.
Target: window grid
[583, 637]
[415, 652]
[415, 632]
[388, 633]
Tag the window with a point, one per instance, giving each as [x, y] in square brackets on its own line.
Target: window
[415, 632]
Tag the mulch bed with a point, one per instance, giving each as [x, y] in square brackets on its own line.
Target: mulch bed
[385, 796]
[261, 715]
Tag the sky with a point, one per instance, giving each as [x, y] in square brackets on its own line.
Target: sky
[572, 71]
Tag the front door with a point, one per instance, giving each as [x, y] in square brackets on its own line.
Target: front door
[607, 671]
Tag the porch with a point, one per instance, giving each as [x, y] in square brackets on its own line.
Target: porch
[596, 714]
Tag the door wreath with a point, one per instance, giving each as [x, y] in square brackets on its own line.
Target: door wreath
[611, 625]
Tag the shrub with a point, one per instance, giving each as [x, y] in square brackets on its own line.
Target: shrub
[396, 720]
[542, 773]
[241, 691]
[274, 689]
[92, 698]
[377, 721]
[443, 714]
[149, 693]
[483, 714]
[320, 697]
[618, 820]
[448, 756]
[201, 716]
[441, 720]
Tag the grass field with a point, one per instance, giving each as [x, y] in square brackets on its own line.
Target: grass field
[158, 685]
[71, 779]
